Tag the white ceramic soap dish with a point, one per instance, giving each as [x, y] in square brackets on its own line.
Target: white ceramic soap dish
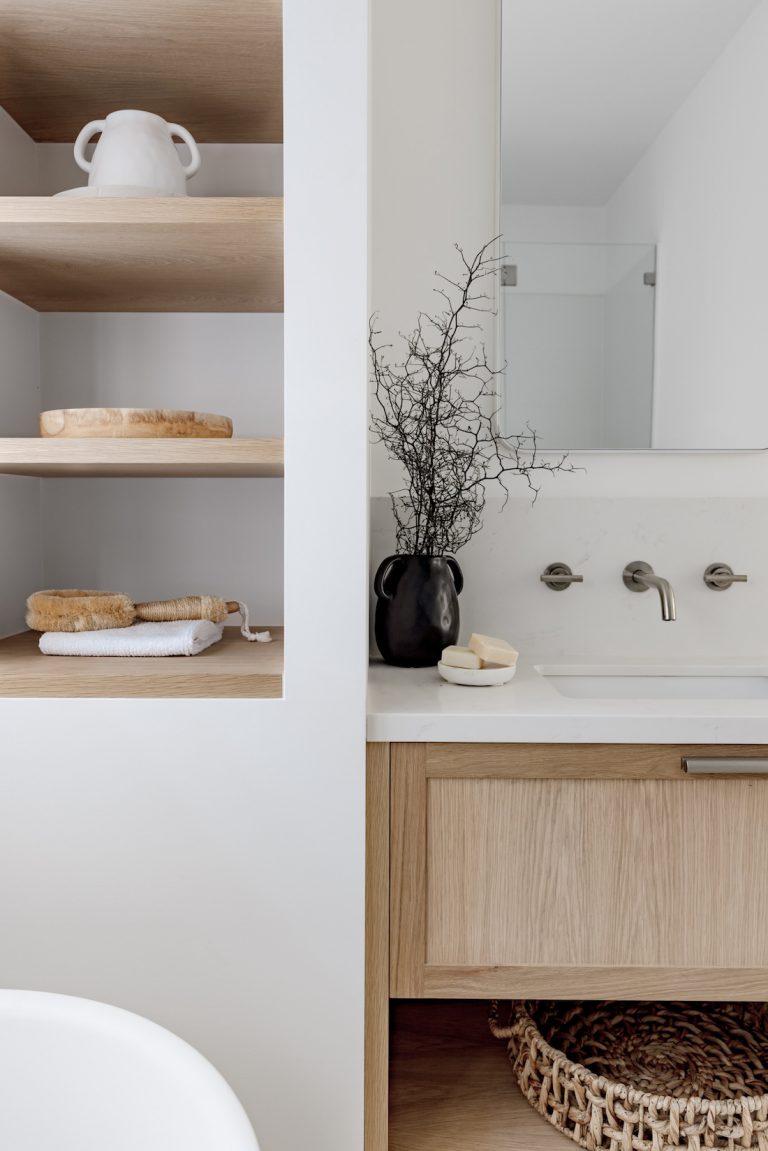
[476, 677]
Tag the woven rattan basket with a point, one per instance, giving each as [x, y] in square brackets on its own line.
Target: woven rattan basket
[643, 1076]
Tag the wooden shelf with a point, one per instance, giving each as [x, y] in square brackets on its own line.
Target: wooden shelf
[228, 459]
[184, 254]
[233, 668]
[452, 1088]
[214, 67]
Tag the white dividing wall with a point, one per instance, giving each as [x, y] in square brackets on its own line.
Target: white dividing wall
[701, 191]
[201, 861]
[433, 155]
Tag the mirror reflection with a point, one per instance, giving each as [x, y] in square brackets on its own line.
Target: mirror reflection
[634, 184]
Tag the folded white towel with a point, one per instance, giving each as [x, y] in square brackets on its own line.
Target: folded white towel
[179, 637]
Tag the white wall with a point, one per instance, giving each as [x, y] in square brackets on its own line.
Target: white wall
[435, 118]
[201, 861]
[700, 190]
[589, 85]
[18, 166]
[156, 539]
[433, 154]
[553, 224]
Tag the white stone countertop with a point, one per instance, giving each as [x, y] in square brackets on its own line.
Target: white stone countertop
[415, 705]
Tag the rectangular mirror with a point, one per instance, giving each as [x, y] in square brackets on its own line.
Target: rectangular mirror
[634, 211]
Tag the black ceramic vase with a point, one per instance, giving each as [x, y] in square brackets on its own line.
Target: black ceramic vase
[417, 608]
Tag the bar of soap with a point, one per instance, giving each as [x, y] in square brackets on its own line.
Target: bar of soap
[493, 650]
[461, 657]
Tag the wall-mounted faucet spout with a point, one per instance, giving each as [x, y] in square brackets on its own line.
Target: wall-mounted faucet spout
[639, 576]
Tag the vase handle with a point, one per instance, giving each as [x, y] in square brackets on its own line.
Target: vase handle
[386, 567]
[81, 141]
[456, 572]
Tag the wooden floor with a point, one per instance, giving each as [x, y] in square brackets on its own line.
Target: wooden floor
[233, 668]
[452, 1088]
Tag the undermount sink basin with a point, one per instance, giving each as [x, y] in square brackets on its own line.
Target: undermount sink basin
[655, 683]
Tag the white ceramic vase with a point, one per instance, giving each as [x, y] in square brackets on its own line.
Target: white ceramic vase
[136, 150]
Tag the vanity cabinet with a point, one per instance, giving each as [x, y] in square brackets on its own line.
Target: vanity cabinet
[560, 871]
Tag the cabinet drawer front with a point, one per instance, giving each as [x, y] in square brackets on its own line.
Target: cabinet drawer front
[596, 872]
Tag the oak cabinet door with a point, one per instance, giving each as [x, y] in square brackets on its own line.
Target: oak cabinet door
[576, 886]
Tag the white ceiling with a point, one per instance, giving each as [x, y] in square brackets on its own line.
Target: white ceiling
[588, 85]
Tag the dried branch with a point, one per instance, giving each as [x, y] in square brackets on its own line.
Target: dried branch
[436, 415]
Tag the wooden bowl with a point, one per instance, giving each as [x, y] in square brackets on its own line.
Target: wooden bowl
[133, 423]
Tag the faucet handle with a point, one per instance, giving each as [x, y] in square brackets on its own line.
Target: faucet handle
[559, 577]
[719, 577]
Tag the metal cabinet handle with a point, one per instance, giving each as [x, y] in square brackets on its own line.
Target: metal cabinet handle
[728, 765]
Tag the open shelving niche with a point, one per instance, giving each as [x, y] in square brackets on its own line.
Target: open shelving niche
[452, 1086]
[222, 78]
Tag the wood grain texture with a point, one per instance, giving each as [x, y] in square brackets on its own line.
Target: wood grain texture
[216, 68]
[452, 1087]
[570, 761]
[128, 423]
[123, 457]
[654, 873]
[184, 254]
[748, 984]
[408, 874]
[376, 946]
[233, 668]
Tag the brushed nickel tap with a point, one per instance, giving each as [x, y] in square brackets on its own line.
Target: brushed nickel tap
[639, 576]
[719, 577]
[559, 577]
